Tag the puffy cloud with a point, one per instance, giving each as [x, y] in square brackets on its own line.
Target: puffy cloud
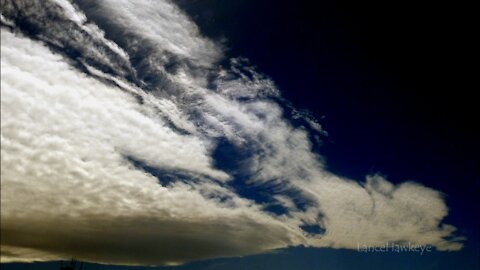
[379, 212]
[111, 155]
[68, 190]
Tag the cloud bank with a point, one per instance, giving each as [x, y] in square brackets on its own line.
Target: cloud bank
[124, 142]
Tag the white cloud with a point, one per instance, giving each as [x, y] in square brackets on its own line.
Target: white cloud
[159, 22]
[68, 189]
[380, 213]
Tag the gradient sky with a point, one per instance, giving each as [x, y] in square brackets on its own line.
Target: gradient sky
[385, 81]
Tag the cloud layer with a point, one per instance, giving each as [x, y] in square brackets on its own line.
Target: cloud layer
[124, 142]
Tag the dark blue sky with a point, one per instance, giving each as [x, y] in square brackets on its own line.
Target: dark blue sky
[389, 81]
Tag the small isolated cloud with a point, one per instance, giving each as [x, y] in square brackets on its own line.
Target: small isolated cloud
[122, 142]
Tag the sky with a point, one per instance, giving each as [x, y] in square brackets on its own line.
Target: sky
[237, 135]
